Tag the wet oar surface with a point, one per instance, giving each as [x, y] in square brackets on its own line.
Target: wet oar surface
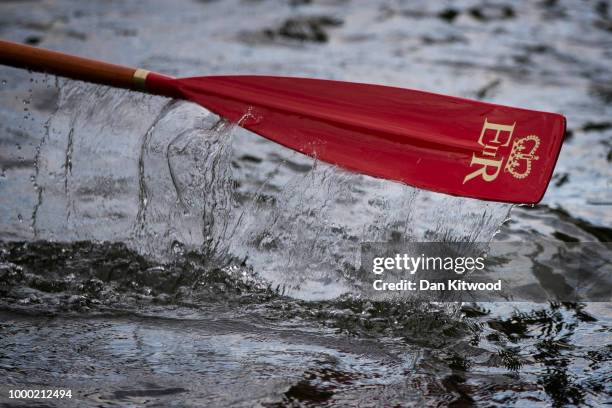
[418, 138]
[152, 331]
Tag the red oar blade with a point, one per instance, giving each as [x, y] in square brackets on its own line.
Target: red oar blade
[436, 142]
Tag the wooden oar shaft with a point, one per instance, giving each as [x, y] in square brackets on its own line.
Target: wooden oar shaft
[66, 65]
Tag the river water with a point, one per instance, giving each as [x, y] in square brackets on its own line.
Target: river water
[153, 254]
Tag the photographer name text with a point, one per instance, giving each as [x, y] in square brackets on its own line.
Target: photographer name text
[426, 285]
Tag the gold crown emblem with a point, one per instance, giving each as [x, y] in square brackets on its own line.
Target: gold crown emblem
[521, 156]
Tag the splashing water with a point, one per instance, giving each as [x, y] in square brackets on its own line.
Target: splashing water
[169, 177]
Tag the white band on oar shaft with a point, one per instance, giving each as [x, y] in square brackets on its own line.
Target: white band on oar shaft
[140, 78]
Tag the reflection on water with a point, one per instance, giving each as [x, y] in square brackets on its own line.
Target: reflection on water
[119, 328]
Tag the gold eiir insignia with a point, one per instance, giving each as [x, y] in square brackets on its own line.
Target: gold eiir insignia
[495, 139]
[520, 156]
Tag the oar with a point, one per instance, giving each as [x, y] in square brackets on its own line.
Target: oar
[436, 142]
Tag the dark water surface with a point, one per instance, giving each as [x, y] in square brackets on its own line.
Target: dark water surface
[117, 329]
[151, 254]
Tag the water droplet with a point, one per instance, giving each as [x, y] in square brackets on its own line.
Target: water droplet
[4, 82]
[178, 248]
